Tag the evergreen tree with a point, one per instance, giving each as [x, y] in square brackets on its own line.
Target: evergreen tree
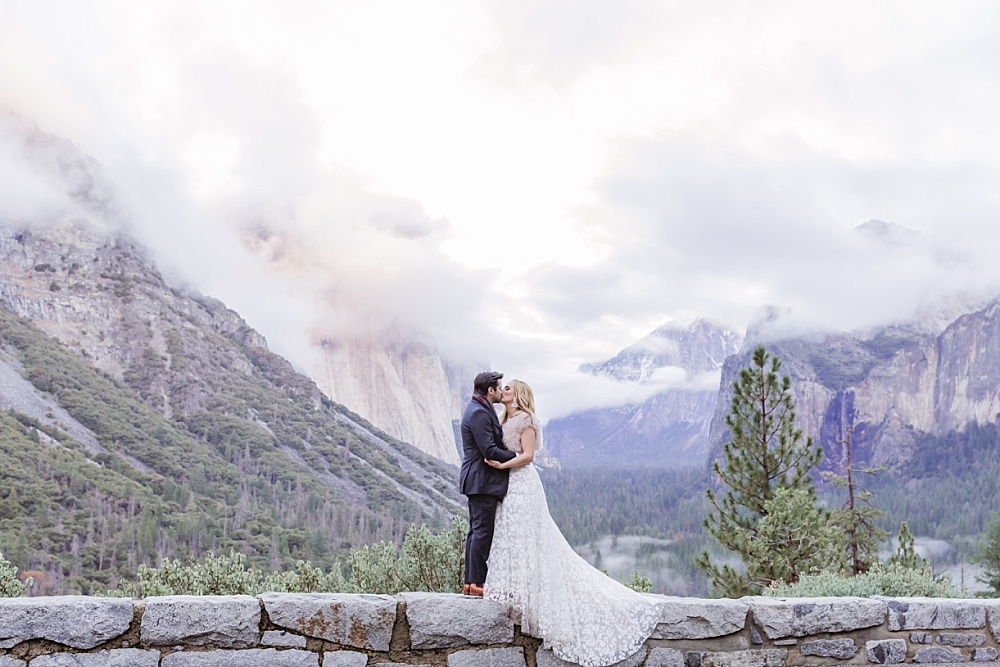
[794, 538]
[856, 519]
[987, 555]
[906, 553]
[766, 452]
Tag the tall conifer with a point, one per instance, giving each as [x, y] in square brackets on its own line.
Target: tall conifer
[765, 452]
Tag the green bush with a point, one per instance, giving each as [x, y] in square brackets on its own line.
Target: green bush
[426, 562]
[227, 575]
[10, 585]
[892, 580]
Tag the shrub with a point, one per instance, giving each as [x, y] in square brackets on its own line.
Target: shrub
[10, 585]
[892, 580]
[227, 575]
[426, 562]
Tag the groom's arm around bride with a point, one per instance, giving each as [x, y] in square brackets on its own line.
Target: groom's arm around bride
[482, 439]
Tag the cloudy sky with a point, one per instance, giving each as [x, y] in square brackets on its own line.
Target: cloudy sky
[533, 183]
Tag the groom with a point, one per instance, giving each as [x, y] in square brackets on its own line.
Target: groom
[485, 486]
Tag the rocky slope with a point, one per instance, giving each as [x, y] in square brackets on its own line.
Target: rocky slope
[668, 430]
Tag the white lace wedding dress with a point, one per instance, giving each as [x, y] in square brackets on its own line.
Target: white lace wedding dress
[580, 613]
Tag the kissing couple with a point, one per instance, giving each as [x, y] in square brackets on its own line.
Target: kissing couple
[516, 555]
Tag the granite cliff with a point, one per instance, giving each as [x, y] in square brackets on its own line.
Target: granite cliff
[890, 386]
[404, 387]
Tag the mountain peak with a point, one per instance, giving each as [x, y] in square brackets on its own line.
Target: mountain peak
[699, 347]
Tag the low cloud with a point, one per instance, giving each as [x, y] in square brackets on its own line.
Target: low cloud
[538, 184]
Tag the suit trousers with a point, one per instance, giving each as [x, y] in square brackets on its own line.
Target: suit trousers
[482, 516]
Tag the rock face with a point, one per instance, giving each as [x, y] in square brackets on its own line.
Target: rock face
[671, 428]
[404, 387]
[99, 294]
[890, 385]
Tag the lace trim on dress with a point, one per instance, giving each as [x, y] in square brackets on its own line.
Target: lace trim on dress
[514, 427]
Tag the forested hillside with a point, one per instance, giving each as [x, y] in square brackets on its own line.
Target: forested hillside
[205, 442]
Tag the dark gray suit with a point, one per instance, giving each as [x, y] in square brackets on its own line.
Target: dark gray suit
[482, 439]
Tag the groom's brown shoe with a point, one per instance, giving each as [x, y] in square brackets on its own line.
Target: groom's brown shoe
[475, 590]
[465, 589]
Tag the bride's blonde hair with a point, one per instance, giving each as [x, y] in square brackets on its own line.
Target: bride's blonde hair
[523, 397]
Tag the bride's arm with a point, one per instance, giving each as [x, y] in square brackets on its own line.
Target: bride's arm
[526, 456]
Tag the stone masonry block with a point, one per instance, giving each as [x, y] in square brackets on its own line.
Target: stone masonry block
[72, 620]
[695, 618]
[440, 620]
[799, 617]
[358, 621]
[490, 657]
[886, 651]
[546, 658]
[988, 654]
[9, 661]
[282, 639]
[934, 614]
[960, 639]
[921, 638]
[258, 657]
[664, 657]
[122, 657]
[767, 657]
[227, 621]
[842, 649]
[993, 611]
[344, 659]
[935, 654]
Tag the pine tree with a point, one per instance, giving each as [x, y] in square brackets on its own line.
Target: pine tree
[765, 452]
[987, 555]
[906, 552]
[793, 539]
[862, 538]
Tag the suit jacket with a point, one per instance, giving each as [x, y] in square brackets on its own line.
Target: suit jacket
[482, 439]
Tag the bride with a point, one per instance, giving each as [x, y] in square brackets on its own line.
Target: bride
[580, 613]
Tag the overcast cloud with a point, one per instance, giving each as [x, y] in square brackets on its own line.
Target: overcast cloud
[533, 183]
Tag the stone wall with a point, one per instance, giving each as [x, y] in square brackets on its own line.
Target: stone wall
[339, 630]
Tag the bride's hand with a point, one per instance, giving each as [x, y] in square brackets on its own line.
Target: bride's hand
[494, 464]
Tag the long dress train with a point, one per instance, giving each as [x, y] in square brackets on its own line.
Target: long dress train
[580, 613]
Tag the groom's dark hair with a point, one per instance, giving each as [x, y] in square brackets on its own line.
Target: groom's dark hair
[485, 380]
